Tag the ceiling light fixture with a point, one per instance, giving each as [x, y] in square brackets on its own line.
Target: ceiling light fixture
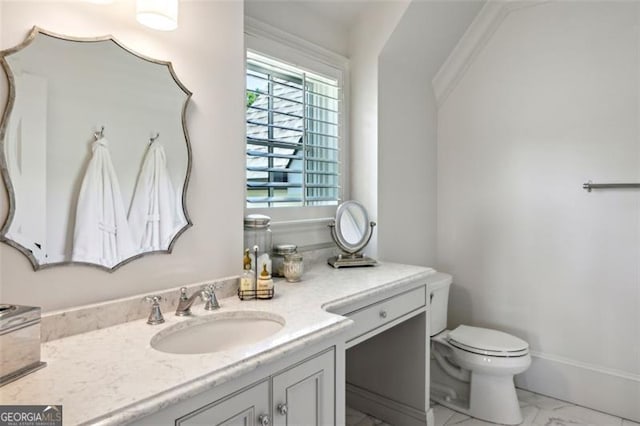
[158, 14]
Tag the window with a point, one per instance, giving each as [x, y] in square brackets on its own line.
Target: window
[293, 138]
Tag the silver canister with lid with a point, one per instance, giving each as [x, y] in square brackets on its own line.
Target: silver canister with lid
[279, 253]
[19, 341]
[257, 232]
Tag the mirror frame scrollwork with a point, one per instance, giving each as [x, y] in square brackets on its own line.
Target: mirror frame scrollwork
[4, 120]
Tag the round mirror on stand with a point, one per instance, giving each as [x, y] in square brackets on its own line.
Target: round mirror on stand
[352, 231]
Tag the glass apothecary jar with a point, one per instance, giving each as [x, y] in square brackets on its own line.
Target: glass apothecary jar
[293, 267]
[257, 232]
[279, 252]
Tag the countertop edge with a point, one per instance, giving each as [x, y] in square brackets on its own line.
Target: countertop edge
[338, 304]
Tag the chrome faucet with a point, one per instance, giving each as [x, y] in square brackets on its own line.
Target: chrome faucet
[184, 304]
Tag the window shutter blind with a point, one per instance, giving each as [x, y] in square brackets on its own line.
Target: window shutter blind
[293, 136]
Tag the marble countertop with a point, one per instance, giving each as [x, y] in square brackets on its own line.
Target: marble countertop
[113, 375]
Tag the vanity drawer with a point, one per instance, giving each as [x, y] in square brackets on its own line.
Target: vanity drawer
[385, 311]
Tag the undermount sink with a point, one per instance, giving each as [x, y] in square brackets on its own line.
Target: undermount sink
[217, 332]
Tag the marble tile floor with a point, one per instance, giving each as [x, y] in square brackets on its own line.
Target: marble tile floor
[356, 418]
[537, 410]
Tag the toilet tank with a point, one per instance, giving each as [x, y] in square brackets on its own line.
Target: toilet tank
[438, 287]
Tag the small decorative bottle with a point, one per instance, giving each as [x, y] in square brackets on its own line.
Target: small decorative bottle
[279, 252]
[265, 284]
[247, 280]
[293, 267]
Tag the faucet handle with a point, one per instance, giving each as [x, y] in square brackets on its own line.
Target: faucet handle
[154, 299]
[155, 316]
[183, 293]
[209, 294]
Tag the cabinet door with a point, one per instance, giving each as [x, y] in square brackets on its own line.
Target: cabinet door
[248, 407]
[305, 394]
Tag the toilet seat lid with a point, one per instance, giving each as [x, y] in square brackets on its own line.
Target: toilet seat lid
[487, 342]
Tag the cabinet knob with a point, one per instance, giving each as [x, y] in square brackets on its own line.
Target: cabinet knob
[282, 409]
[264, 420]
[383, 314]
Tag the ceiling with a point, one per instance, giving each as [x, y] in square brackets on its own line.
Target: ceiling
[343, 13]
[339, 13]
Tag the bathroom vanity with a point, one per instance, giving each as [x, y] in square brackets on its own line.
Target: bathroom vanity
[295, 376]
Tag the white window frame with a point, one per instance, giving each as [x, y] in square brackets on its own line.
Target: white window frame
[276, 44]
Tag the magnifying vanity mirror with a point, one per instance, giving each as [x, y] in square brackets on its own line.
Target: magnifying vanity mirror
[351, 230]
[94, 152]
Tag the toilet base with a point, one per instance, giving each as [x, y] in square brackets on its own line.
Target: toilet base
[507, 413]
[491, 398]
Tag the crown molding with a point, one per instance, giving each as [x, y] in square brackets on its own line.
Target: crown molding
[256, 28]
[482, 28]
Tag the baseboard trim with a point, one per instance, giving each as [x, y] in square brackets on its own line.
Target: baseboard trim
[383, 408]
[608, 390]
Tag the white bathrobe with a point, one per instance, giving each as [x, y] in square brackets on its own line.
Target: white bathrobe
[156, 213]
[101, 234]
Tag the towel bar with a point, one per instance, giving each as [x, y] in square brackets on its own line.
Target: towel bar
[590, 185]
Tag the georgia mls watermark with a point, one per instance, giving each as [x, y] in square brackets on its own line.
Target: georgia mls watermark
[30, 415]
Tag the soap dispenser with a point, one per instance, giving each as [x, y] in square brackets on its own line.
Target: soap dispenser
[265, 284]
[247, 280]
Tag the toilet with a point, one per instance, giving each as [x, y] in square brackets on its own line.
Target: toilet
[472, 368]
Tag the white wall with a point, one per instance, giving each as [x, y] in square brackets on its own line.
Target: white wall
[208, 56]
[364, 48]
[551, 101]
[407, 111]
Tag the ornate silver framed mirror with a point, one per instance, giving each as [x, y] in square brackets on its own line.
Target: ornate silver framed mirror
[94, 152]
[351, 230]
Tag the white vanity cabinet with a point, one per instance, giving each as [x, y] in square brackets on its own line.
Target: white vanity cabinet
[302, 393]
[247, 407]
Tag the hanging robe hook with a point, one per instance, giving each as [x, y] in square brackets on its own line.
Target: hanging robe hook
[100, 134]
[152, 139]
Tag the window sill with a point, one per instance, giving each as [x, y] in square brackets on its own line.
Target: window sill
[307, 227]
